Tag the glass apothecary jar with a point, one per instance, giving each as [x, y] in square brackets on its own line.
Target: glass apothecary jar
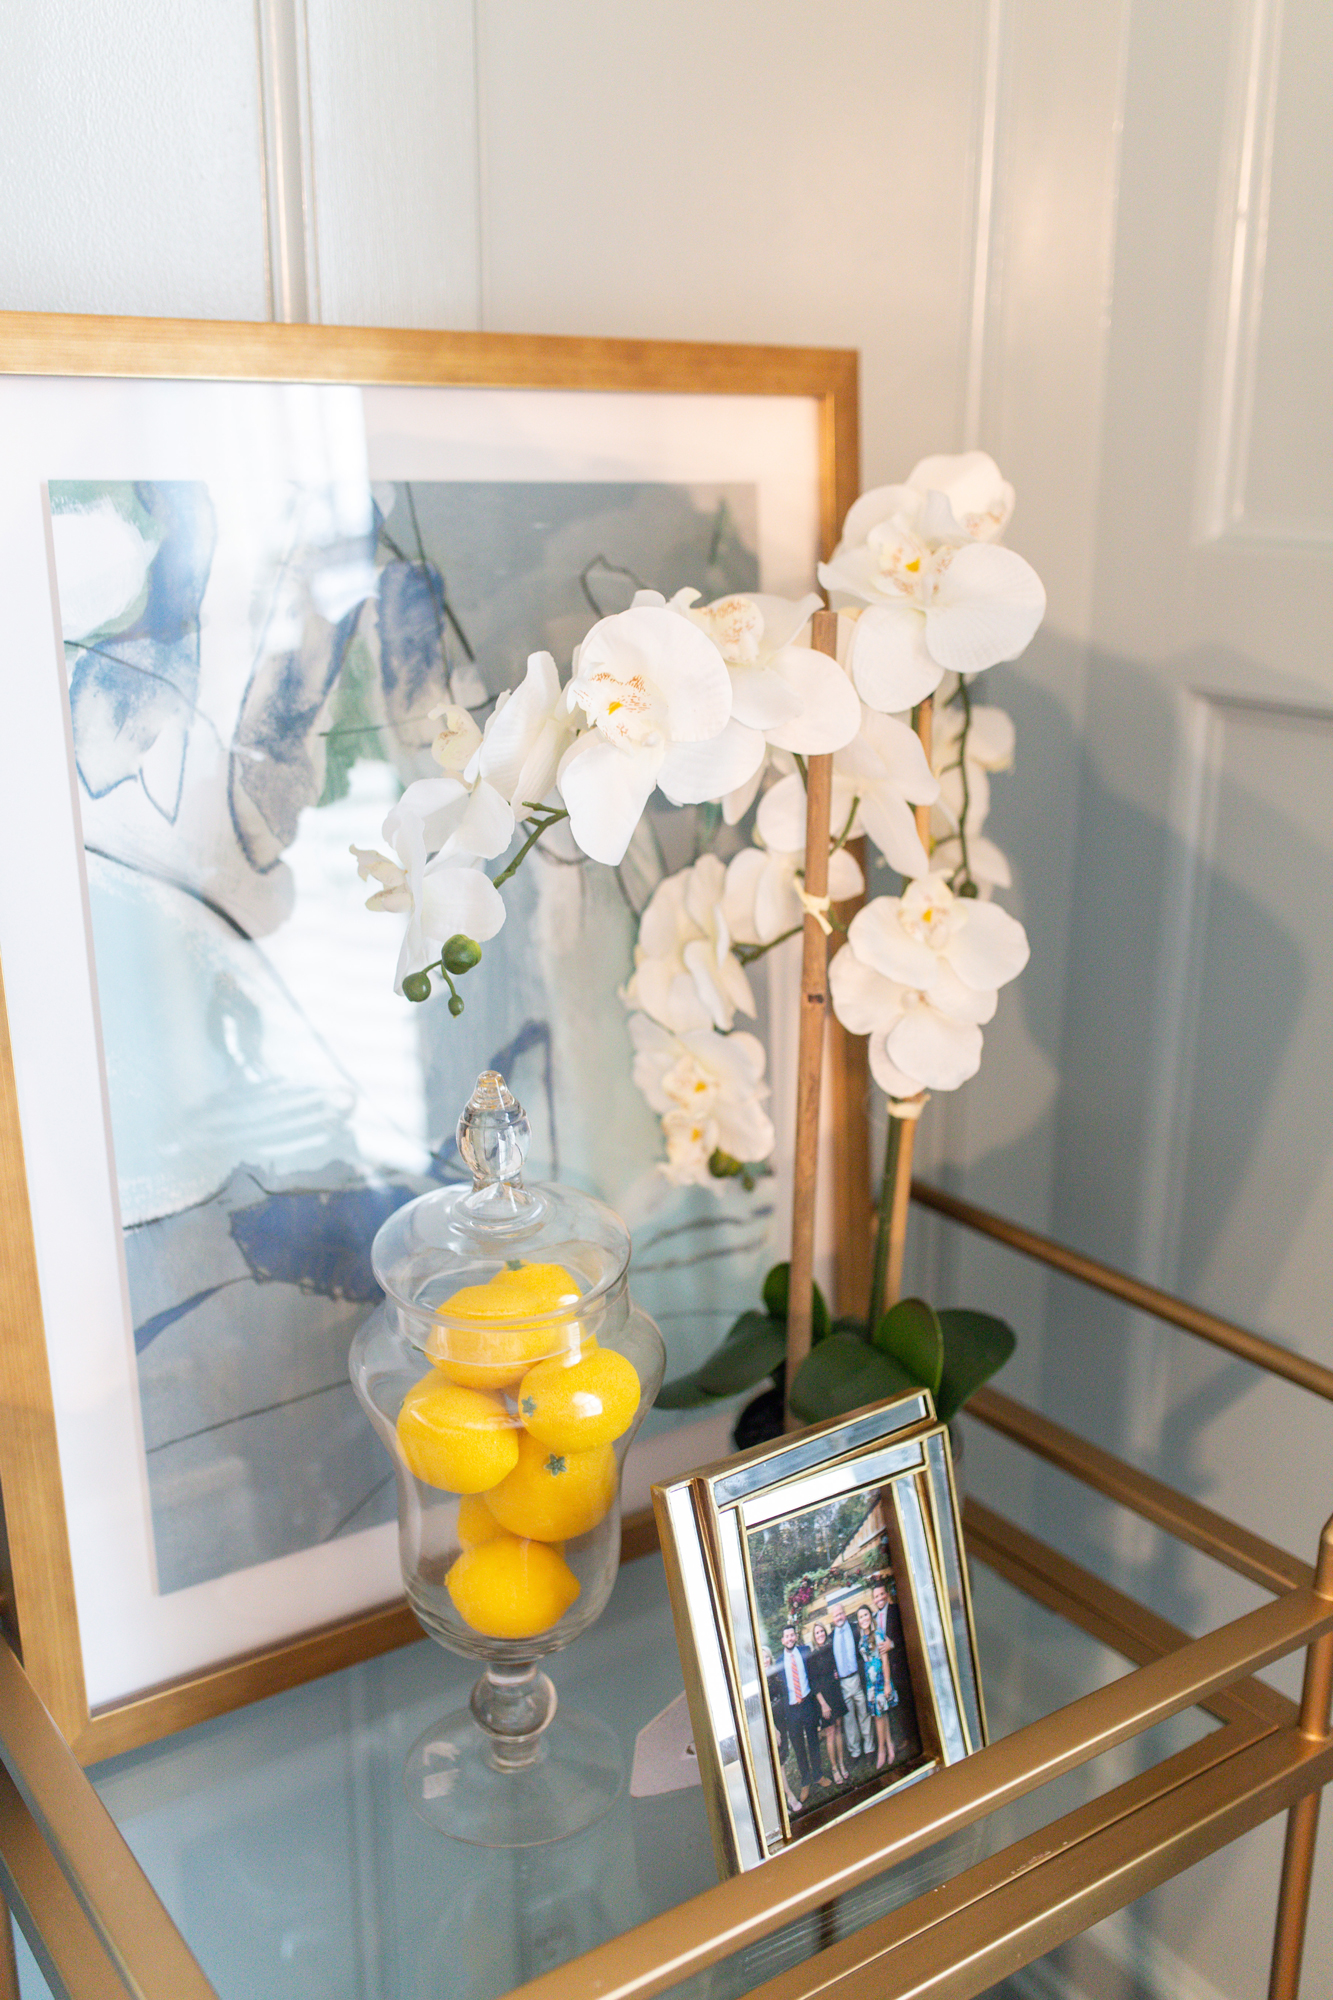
[506, 1373]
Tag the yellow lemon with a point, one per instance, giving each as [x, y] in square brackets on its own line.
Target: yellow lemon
[502, 1343]
[476, 1523]
[511, 1589]
[573, 1405]
[553, 1496]
[459, 1439]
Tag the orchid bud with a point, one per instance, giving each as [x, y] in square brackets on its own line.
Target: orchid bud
[461, 953]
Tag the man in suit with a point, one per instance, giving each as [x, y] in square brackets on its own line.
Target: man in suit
[802, 1712]
[856, 1723]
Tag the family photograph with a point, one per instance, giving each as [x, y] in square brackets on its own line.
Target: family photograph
[832, 1652]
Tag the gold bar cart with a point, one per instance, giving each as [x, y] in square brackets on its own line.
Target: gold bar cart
[98, 1928]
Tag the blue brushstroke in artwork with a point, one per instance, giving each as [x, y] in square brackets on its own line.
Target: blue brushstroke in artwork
[318, 1240]
[159, 1322]
[274, 775]
[411, 626]
[131, 685]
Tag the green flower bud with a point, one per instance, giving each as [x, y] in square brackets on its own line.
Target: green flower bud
[722, 1166]
[968, 888]
[461, 953]
[416, 986]
[455, 1004]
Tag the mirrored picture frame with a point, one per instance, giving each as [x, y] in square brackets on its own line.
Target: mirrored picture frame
[89, 405]
[824, 1620]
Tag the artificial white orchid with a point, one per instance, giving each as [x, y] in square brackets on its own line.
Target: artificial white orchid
[940, 595]
[766, 897]
[801, 699]
[458, 736]
[709, 1091]
[658, 696]
[971, 483]
[920, 976]
[442, 899]
[886, 770]
[449, 895]
[446, 816]
[528, 733]
[685, 972]
[877, 778]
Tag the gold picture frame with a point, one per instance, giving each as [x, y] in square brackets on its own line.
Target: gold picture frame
[874, 1492]
[52, 360]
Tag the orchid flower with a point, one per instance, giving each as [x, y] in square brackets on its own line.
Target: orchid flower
[709, 1091]
[765, 897]
[450, 894]
[440, 899]
[457, 738]
[528, 732]
[920, 976]
[801, 699]
[445, 816]
[941, 596]
[658, 697]
[877, 778]
[685, 972]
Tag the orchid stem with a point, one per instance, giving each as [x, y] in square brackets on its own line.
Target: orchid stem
[544, 825]
[880, 1271]
[748, 953]
[965, 698]
[841, 840]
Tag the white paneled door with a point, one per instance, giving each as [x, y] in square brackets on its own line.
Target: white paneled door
[1196, 1139]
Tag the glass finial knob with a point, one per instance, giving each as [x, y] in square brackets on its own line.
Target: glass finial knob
[494, 1134]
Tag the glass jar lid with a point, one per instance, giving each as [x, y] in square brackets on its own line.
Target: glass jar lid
[457, 1238]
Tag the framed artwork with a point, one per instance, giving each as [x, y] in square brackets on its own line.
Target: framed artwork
[825, 1626]
[242, 565]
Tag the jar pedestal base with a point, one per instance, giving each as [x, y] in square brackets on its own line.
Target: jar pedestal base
[458, 1780]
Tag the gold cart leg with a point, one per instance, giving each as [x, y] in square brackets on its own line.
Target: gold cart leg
[1316, 1722]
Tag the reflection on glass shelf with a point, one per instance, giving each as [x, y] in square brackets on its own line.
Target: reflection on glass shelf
[281, 1843]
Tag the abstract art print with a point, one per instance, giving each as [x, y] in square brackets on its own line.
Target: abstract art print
[237, 603]
[252, 673]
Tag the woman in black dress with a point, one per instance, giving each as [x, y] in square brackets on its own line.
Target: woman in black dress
[822, 1672]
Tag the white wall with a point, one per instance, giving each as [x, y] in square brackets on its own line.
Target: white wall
[937, 188]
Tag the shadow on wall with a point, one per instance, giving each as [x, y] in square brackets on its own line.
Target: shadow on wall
[1098, 873]
[1100, 1363]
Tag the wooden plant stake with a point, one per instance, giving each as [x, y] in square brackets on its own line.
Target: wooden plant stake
[903, 1135]
[810, 1043]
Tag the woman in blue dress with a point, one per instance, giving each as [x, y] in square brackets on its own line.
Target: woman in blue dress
[881, 1694]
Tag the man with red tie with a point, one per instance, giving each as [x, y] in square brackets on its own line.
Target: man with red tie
[802, 1713]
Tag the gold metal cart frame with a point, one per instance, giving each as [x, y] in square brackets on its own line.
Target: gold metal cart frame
[99, 1929]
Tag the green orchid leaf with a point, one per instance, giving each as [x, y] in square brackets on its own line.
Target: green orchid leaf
[777, 1286]
[739, 1364]
[975, 1345]
[747, 1326]
[842, 1373]
[683, 1394]
[911, 1335]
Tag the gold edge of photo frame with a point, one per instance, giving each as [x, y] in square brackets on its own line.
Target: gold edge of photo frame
[38, 1610]
[703, 1614]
